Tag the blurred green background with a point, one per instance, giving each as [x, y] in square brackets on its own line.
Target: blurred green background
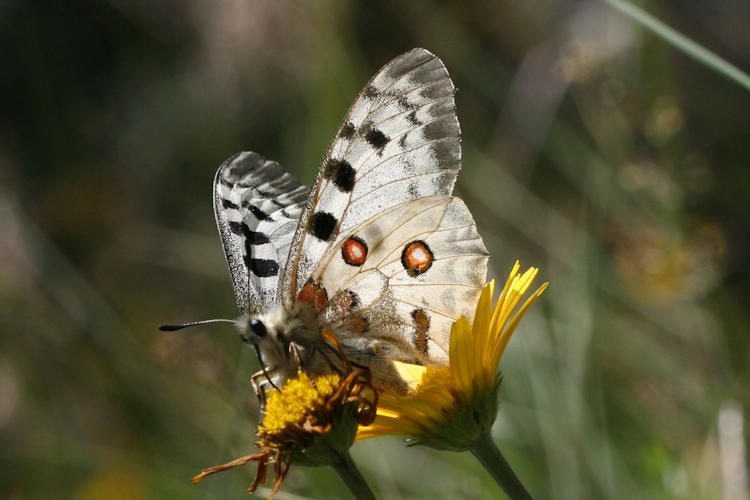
[592, 149]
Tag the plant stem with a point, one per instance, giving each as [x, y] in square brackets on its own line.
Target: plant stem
[485, 450]
[351, 476]
[681, 42]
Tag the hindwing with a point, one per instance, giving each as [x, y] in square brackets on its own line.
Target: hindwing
[400, 279]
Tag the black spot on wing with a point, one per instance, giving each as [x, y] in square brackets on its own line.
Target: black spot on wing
[354, 299]
[225, 182]
[256, 238]
[404, 103]
[264, 194]
[344, 178]
[226, 203]
[413, 190]
[342, 174]
[376, 138]
[263, 268]
[322, 225]
[269, 196]
[412, 118]
[331, 168]
[348, 131]
[251, 237]
[371, 92]
[258, 213]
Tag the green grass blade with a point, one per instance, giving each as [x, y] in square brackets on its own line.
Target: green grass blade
[682, 43]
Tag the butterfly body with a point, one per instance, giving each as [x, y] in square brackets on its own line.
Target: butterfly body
[378, 252]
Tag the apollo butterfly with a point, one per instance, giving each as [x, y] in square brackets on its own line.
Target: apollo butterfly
[378, 251]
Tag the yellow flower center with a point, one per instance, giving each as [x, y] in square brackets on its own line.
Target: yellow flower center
[297, 400]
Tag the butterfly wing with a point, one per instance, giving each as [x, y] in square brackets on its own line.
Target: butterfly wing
[257, 207]
[383, 255]
[402, 278]
[399, 141]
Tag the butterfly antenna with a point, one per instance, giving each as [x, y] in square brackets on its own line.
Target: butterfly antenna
[173, 328]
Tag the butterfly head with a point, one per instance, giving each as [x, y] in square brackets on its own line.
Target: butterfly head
[265, 334]
[273, 332]
[258, 328]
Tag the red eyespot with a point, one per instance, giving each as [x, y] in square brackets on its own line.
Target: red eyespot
[357, 324]
[354, 251]
[421, 320]
[420, 337]
[315, 295]
[416, 258]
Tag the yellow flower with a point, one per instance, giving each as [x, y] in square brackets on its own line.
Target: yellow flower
[455, 406]
[311, 420]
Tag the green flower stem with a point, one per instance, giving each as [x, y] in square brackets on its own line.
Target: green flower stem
[351, 476]
[485, 450]
[682, 43]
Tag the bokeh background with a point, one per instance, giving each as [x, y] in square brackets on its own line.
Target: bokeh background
[592, 149]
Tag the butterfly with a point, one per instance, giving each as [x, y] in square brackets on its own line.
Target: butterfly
[377, 251]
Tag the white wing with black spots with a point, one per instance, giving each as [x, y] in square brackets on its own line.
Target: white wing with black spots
[257, 206]
[399, 141]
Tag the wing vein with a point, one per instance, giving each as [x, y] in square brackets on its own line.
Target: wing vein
[394, 181]
[412, 89]
[360, 137]
[404, 75]
[398, 285]
[430, 309]
[436, 118]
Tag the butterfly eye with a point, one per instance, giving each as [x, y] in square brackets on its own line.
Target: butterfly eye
[258, 328]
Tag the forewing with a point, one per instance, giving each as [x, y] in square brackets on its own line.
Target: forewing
[257, 206]
[399, 141]
[398, 281]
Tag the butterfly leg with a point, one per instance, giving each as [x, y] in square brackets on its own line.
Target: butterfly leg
[261, 383]
[297, 357]
[320, 348]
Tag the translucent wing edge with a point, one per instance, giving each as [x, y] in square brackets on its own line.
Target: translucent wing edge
[244, 293]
